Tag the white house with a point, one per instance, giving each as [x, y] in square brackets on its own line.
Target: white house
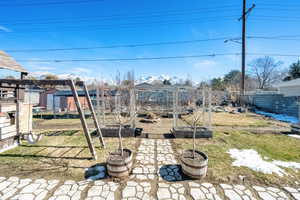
[289, 88]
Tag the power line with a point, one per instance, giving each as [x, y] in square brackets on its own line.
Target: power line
[274, 54]
[116, 16]
[182, 42]
[121, 26]
[155, 58]
[277, 36]
[126, 59]
[277, 20]
[280, 5]
[270, 38]
[118, 46]
[50, 3]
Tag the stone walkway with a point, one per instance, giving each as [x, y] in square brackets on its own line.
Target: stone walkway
[156, 175]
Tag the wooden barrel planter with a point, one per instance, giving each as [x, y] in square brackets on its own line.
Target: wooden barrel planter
[194, 167]
[119, 166]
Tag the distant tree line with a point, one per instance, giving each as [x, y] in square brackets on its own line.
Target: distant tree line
[262, 74]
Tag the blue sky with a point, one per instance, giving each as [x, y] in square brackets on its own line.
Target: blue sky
[112, 22]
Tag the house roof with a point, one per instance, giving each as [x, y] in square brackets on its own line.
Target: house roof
[292, 83]
[7, 62]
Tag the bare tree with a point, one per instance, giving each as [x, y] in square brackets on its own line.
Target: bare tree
[195, 119]
[121, 120]
[265, 70]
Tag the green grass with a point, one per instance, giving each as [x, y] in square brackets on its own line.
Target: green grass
[277, 147]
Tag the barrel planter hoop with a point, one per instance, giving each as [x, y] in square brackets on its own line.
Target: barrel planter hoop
[195, 169]
[121, 167]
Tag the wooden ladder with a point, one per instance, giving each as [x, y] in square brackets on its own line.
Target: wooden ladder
[83, 120]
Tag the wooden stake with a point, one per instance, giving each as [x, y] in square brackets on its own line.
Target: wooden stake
[83, 120]
[209, 108]
[90, 105]
[132, 107]
[203, 106]
[103, 103]
[98, 100]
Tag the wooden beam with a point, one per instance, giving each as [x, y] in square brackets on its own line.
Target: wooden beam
[93, 115]
[83, 121]
[40, 82]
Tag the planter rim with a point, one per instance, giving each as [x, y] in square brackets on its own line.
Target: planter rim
[117, 153]
[198, 152]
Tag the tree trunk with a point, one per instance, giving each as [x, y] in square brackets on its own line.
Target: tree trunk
[120, 140]
[194, 140]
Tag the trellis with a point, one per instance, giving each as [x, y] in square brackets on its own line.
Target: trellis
[206, 96]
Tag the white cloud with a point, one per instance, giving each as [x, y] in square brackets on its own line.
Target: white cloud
[3, 28]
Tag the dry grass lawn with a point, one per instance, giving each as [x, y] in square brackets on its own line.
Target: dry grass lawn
[249, 120]
[59, 157]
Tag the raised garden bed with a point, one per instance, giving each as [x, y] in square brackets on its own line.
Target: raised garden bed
[295, 129]
[187, 132]
[113, 131]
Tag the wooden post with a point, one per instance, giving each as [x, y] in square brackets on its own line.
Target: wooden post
[203, 106]
[83, 121]
[90, 105]
[53, 105]
[18, 114]
[175, 104]
[103, 103]
[132, 107]
[98, 100]
[209, 108]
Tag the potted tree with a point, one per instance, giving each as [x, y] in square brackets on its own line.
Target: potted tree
[119, 163]
[193, 162]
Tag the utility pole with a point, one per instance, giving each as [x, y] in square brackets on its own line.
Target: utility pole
[243, 49]
[243, 18]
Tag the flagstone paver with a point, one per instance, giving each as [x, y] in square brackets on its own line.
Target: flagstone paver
[138, 191]
[237, 192]
[38, 189]
[70, 190]
[170, 191]
[203, 191]
[102, 190]
[144, 168]
[270, 193]
[294, 192]
[156, 175]
[10, 186]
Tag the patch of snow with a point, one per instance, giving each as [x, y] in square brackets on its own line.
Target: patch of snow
[279, 117]
[294, 165]
[251, 159]
[295, 136]
[9, 147]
